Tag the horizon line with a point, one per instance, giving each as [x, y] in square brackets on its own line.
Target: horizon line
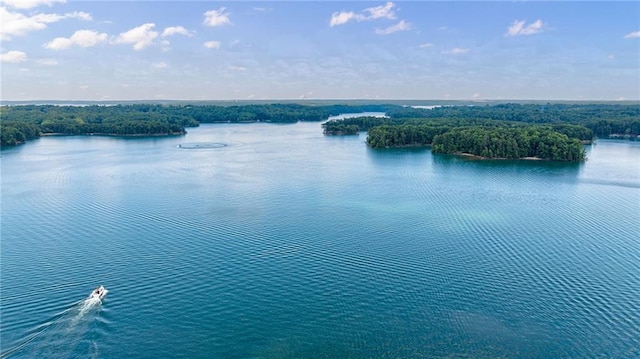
[318, 99]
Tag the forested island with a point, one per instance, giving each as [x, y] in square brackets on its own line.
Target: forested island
[554, 132]
[542, 131]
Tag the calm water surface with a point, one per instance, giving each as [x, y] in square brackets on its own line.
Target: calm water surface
[273, 241]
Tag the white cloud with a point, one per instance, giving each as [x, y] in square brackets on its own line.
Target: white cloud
[212, 44]
[50, 18]
[401, 26]
[306, 95]
[383, 11]
[160, 65]
[70, 15]
[216, 17]
[456, 51]
[518, 28]
[176, 30]
[14, 57]
[611, 56]
[237, 68]
[475, 95]
[632, 35]
[426, 45]
[48, 62]
[59, 43]
[378, 12]
[343, 17]
[28, 4]
[173, 30]
[141, 36]
[81, 38]
[17, 24]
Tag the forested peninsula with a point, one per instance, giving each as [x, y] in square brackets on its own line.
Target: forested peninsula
[25, 122]
[542, 131]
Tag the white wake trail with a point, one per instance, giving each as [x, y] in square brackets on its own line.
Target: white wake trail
[59, 337]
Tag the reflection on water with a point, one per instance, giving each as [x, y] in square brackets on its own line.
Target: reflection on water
[562, 169]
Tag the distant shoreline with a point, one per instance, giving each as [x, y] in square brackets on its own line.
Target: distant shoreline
[52, 134]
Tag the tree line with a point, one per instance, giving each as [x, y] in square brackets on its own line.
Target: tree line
[21, 123]
[605, 120]
[551, 131]
[415, 126]
[510, 143]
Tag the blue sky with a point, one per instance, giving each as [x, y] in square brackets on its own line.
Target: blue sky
[211, 50]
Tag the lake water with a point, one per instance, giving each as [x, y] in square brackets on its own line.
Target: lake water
[274, 241]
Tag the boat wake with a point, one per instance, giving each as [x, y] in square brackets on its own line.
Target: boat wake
[89, 306]
[67, 334]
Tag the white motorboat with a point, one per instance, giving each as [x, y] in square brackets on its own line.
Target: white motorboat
[98, 293]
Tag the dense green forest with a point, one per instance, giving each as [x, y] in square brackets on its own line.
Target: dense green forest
[554, 132]
[352, 126]
[72, 120]
[495, 141]
[549, 131]
[510, 143]
[14, 133]
[22, 123]
[604, 120]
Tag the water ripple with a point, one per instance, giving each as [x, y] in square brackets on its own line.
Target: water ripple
[402, 256]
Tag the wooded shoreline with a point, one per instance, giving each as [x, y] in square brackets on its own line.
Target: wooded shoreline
[511, 130]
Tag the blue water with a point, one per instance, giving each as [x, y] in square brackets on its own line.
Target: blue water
[274, 241]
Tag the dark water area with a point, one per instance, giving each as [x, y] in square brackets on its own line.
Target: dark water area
[274, 241]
